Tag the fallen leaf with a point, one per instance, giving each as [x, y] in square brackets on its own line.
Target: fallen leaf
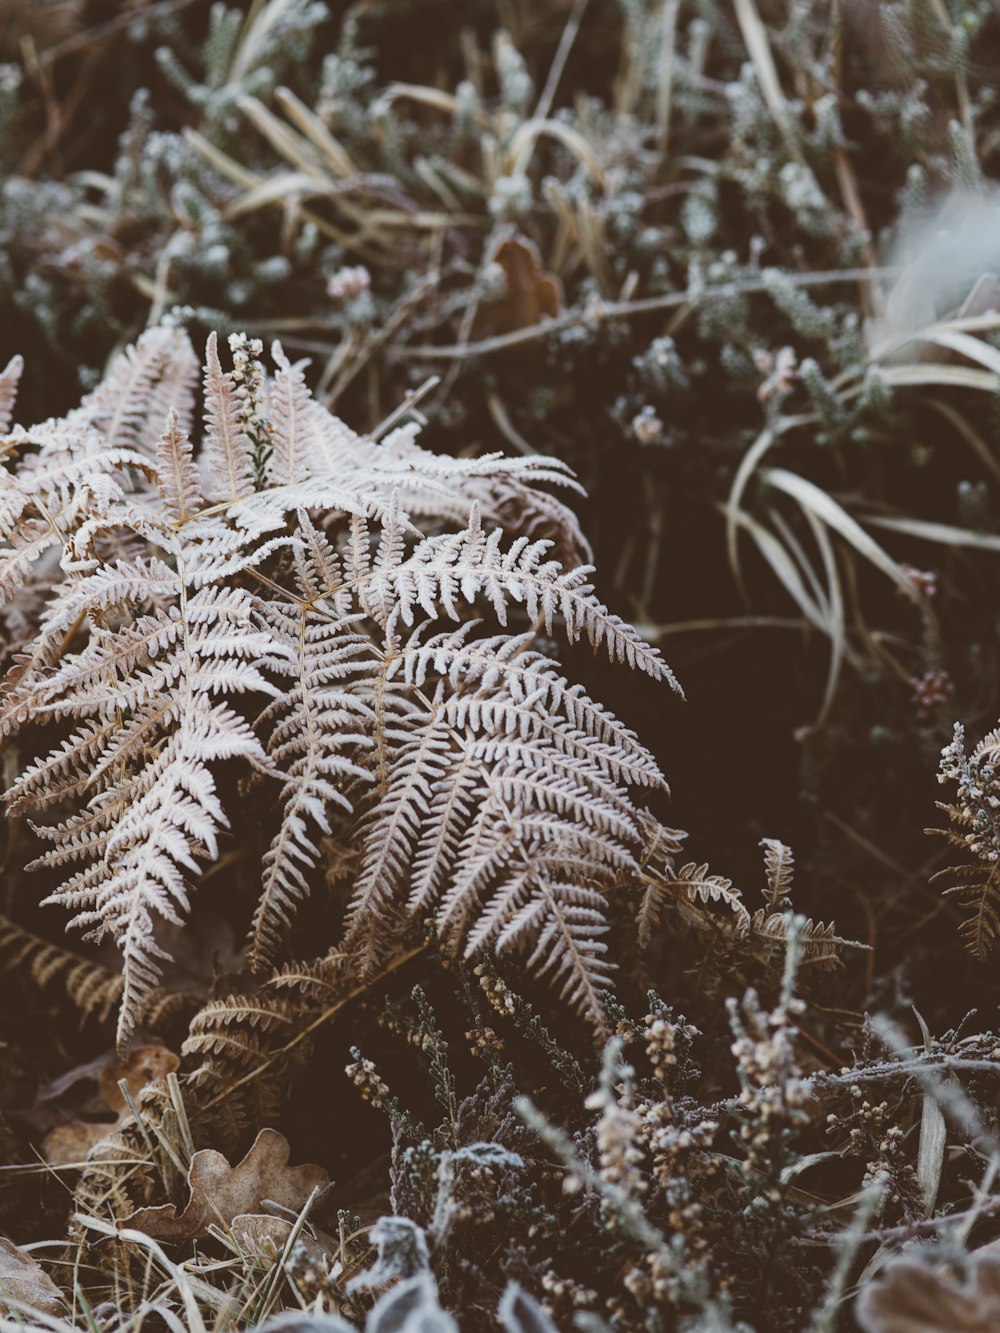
[73, 1141]
[25, 1284]
[530, 295]
[144, 1066]
[220, 1193]
[260, 1233]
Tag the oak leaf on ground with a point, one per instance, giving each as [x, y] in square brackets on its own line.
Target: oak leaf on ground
[25, 1284]
[221, 1193]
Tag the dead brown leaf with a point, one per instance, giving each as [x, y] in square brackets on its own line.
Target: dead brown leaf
[531, 295]
[260, 1233]
[144, 1066]
[73, 1141]
[261, 1236]
[220, 1193]
[25, 1284]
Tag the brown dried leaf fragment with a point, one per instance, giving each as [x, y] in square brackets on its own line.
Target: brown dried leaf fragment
[260, 1233]
[220, 1193]
[531, 295]
[73, 1142]
[24, 1284]
[261, 1236]
[143, 1066]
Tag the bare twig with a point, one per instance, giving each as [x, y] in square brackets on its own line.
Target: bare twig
[625, 310]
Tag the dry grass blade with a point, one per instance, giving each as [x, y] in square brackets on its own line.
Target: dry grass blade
[974, 348]
[837, 628]
[783, 566]
[944, 533]
[931, 373]
[824, 508]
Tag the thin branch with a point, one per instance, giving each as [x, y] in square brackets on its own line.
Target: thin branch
[625, 310]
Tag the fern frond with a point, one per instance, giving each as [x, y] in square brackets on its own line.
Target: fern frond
[779, 868]
[316, 728]
[661, 881]
[698, 884]
[520, 707]
[149, 831]
[173, 394]
[444, 572]
[389, 838]
[176, 474]
[471, 780]
[28, 544]
[241, 1049]
[492, 807]
[293, 436]
[128, 408]
[10, 377]
[506, 491]
[227, 455]
[567, 921]
[230, 1043]
[90, 987]
[819, 943]
[154, 813]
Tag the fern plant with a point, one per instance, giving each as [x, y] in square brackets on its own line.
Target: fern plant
[975, 829]
[342, 617]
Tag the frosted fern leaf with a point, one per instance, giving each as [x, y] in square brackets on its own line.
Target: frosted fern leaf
[341, 618]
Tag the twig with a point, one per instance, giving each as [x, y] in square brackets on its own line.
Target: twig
[911, 1069]
[407, 405]
[124, 20]
[925, 1226]
[625, 310]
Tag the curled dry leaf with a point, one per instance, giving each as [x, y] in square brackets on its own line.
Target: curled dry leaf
[144, 1065]
[261, 1236]
[25, 1284]
[531, 295]
[260, 1233]
[69, 1145]
[73, 1142]
[915, 1298]
[221, 1193]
